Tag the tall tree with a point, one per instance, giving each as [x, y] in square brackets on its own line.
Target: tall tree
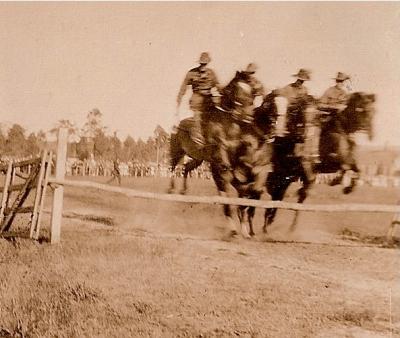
[116, 146]
[128, 152]
[94, 123]
[32, 145]
[101, 144]
[3, 141]
[161, 139]
[16, 142]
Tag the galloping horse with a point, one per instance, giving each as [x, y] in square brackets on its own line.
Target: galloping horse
[336, 148]
[236, 147]
[287, 162]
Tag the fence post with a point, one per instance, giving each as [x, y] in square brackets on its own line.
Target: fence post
[6, 192]
[58, 197]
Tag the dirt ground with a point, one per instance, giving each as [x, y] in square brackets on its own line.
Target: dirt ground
[129, 267]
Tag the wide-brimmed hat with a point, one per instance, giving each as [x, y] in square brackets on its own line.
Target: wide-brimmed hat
[204, 58]
[341, 77]
[251, 68]
[303, 74]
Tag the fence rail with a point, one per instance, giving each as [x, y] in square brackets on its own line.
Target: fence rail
[384, 208]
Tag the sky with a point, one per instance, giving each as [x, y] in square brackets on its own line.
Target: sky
[59, 60]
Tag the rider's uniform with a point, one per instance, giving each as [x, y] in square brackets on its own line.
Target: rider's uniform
[202, 81]
[334, 98]
[292, 92]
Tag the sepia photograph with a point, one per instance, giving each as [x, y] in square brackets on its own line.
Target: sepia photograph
[200, 169]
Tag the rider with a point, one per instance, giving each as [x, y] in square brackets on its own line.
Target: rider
[334, 101]
[204, 85]
[335, 98]
[293, 92]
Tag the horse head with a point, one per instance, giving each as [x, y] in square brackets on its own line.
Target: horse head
[237, 97]
[360, 112]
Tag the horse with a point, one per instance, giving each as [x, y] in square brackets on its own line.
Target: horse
[336, 145]
[236, 148]
[335, 138]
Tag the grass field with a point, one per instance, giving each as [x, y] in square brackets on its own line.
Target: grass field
[129, 267]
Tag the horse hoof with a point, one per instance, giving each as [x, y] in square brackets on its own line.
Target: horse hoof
[246, 235]
[252, 234]
[347, 190]
[233, 233]
[183, 192]
[335, 181]
[170, 191]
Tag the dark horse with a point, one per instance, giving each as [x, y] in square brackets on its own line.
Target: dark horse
[336, 145]
[336, 148]
[237, 147]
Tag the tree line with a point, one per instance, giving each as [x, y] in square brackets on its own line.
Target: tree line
[93, 139]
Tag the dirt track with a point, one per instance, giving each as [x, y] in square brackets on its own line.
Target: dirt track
[131, 267]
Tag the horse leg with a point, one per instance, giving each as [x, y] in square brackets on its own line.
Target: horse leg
[177, 153]
[222, 182]
[276, 186]
[241, 212]
[301, 193]
[338, 178]
[350, 182]
[268, 218]
[250, 216]
[193, 164]
[355, 174]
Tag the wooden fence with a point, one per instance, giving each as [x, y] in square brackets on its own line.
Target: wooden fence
[34, 174]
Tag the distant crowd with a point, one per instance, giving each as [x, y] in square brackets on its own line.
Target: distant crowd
[375, 175]
[92, 167]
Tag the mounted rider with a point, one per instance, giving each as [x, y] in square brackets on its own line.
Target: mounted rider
[242, 95]
[335, 98]
[204, 85]
[334, 101]
[293, 93]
